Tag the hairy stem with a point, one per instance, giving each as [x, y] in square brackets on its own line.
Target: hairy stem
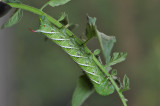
[59, 25]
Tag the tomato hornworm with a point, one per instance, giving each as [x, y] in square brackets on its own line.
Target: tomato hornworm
[77, 52]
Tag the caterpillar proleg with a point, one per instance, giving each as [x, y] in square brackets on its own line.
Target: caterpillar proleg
[78, 54]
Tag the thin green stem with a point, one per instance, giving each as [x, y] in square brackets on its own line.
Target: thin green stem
[45, 5]
[59, 25]
[87, 41]
[36, 11]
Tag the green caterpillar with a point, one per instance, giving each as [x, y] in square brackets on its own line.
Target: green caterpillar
[77, 52]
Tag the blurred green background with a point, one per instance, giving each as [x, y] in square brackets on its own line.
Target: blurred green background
[41, 74]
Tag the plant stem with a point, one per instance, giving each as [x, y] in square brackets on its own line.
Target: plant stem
[86, 41]
[45, 5]
[59, 25]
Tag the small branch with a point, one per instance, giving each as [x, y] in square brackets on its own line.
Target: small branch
[36, 11]
[45, 5]
[86, 41]
[59, 25]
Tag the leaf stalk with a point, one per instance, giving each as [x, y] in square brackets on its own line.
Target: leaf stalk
[45, 5]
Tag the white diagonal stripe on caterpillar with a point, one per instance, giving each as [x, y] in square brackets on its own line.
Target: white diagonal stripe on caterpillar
[94, 72]
[59, 39]
[84, 64]
[62, 43]
[67, 47]
[76, 55]
[68, 52]
[46, 32]
[95, 81]
[89, 72]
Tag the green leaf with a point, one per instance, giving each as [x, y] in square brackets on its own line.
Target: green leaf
[106, 43]
[91, 21]
[14, 19]
[64, 19]
[117, 58]
[125, 84]
[91, 30]
[63, 15]
[83, 90]
[54, 3]
[114, 72]
[97, 52]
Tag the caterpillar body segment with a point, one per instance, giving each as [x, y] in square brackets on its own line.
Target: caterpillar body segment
[78, 54]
